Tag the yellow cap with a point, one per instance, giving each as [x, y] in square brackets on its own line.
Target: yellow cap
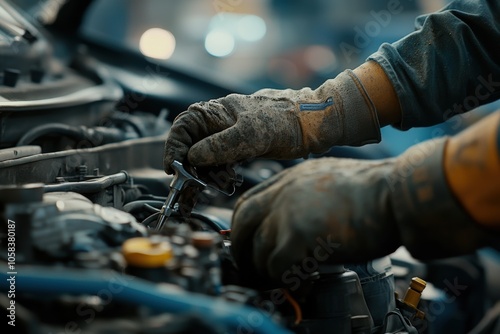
[414, 292]
[147, 253]
[418, 284]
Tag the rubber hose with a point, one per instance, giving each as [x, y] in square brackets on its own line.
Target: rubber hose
[50, 282]
[50, 128]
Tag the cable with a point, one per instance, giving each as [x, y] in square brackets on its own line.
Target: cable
[210, 222]
[149, 196]
[404, 322]
[95, 136]
[49, 282]
[146, 222]
[51, 128]
[151, 208]
[295, 305]
[137, 205]
[118, 117]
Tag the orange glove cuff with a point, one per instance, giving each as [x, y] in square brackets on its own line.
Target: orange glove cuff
[472, 168]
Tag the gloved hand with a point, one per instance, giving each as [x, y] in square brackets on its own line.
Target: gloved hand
[279, 124]
[347, 211]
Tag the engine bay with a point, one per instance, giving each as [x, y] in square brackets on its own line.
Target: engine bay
[82, 187]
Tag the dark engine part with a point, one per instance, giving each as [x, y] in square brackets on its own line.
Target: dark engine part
[116, 127]
[87, 241]
[61, 225]
[37, 89]
[58, 106]
[91, 244]
[138, 156]
[336, 301]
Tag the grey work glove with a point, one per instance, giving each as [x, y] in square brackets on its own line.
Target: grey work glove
[279, 124]
[345, 211]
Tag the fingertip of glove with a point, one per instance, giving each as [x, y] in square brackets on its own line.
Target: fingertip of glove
[166, 167]
[167, 161]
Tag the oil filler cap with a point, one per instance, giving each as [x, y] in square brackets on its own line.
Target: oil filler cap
[147, 252]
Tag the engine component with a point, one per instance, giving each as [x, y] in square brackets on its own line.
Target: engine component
[183, 183]
[412, 297]
[68, 228]
[61, 225]
[400, 320]
[222, 315]
[111, 190]
[186, 186]
[333, 298]
[187, 254]
[19, 152]
[118, 127]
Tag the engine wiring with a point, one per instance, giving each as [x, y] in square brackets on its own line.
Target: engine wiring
[295, 305]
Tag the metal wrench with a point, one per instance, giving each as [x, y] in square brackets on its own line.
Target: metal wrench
[182, 180]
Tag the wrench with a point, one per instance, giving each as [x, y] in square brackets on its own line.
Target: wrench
[182, 180]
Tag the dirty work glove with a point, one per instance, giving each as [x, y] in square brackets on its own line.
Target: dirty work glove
[279, 124]
[345, 211]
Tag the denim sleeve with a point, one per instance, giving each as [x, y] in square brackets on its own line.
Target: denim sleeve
[449, 65]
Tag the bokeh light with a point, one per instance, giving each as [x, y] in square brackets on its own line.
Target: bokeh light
[157, 43]
[320, 58]
[219, 43]
[251, 28]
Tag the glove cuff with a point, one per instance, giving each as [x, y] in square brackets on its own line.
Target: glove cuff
[361, 124]
[431, 221]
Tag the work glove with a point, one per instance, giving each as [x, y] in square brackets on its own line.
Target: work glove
[330, 211]
[279, 124]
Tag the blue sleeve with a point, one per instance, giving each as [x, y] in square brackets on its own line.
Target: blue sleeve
[449, 65]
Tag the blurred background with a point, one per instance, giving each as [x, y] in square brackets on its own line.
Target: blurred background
[266, 43]
[248, 45]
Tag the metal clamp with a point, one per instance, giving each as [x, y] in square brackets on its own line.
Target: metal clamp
[182, 180]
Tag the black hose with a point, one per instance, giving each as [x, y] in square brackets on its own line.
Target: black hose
[150, 219]
[151, 197]
[137, 205]
[212, 224]
[128, 119]
[209, 222]
[95, 136]
[51, 128]
[151, 208]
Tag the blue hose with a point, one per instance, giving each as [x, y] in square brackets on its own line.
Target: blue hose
[109, 285]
